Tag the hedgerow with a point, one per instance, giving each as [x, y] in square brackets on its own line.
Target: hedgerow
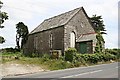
[72, 56]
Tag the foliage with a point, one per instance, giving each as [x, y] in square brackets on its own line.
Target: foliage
[33, 55]
[2, 40]
[100, 43]
[46, 57]
[55, 54]
[47, 62]
[3, 17]
[97, 22]
[69, 54]
[58, 64]
[22, 32]
[77, 59]
[13, 50]
[114, 52]
[95, 58]
[10, 56]
[1, 3]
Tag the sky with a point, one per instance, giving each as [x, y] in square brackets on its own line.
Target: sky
[33, 12]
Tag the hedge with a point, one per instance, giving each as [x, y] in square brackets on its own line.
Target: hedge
[72, 56]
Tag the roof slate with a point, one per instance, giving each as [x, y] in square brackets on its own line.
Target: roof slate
[56, 21]
[86, 37]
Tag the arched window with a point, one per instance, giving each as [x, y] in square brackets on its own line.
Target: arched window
[72, 39]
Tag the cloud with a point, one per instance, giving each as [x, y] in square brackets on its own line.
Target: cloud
[33, 12]
[111, 40]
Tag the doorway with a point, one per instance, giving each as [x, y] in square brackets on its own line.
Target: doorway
[85, 47]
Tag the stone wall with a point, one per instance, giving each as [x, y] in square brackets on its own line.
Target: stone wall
[40, 42]
[79, 24]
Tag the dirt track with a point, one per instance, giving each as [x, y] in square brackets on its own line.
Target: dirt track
[11, 68]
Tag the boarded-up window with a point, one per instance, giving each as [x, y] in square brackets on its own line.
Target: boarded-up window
[86, 47]
[36, 42]
[50, 40]
[72, 39]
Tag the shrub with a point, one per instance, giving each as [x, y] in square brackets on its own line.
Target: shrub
[70, 54]
[46, 57]
[100, 56]
[55, 54]
[112, 51]
[13, 50]
[33, 55]
[93, 58]
[58, 64]
[109, 56]
[85, 57]
[106, 56]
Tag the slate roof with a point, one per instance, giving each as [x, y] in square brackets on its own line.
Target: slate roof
[56, 21]
[86, 37]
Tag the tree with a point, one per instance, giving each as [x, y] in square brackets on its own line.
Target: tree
[97, 22]
[22, 33]
[3, 17]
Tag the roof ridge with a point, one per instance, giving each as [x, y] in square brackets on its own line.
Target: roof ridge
[72, 16]
[72, 12]
[36, 27]
[62, 13]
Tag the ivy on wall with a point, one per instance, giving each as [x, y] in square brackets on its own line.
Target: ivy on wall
[100, 43]
[97, 22]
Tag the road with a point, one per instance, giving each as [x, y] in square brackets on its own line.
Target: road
[97, 71]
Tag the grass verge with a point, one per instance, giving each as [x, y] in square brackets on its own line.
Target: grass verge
[46, 62]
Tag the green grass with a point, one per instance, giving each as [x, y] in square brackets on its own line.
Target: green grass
[9, 56]
[44, 62]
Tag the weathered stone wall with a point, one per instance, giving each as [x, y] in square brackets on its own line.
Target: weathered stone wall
[79, 24]
[28, 47]
[40, 42]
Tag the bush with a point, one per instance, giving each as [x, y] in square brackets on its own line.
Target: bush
[55, 54]
[112, 51]
[33, 55]
[106, 56]
[56, 64]
[109, 57]
[46, 57]
[93, 58]
[89, 58]
[70, 54]
[13, 50]
[115, 52]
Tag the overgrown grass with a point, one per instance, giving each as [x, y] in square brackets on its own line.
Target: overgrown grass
[9, 56]
[46, 62]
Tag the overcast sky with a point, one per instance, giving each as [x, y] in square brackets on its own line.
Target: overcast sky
[33, 12]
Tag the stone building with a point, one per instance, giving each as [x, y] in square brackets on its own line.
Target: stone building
[70, 29]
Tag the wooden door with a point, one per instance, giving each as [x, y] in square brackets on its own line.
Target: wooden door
[83, 47]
